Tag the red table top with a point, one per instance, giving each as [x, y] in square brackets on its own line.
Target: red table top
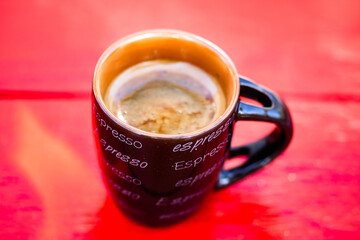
[307, 51]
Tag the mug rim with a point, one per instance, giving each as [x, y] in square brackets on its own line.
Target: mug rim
[177, 34]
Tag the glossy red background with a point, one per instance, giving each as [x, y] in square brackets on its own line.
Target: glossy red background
[307, 51]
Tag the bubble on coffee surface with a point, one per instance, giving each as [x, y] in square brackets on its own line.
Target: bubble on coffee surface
[164, 97]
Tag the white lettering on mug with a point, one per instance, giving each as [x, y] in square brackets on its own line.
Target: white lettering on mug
[191, 180]
[189, 145]
[122, 190]
[165, 201]
[122, 157]
[121, 137]
[193, 163]
[121, 174]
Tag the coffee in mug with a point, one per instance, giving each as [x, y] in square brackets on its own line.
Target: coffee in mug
[165, 97]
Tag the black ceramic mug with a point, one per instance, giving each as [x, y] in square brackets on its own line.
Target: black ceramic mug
[159, 179]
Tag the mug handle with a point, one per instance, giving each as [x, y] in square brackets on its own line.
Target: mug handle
[265, 150]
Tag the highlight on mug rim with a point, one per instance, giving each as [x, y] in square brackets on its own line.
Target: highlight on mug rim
[170, 34]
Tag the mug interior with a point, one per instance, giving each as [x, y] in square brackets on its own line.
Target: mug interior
[169, 45]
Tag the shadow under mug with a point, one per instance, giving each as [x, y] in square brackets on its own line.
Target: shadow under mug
[158, 179]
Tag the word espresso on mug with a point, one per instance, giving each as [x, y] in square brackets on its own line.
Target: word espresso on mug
[122, 190]
[203, 175]
[193, 163]
[115, 133]
[121, 156]
[121, 174]
[166, 201]
[189, 145]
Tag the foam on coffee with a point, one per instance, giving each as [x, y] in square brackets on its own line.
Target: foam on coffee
[166, 97]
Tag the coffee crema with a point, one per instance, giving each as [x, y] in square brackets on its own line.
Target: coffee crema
[165, 97]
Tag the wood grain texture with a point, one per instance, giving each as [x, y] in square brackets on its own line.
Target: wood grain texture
[307, 51]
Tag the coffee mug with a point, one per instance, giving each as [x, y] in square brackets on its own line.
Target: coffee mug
[159, 179]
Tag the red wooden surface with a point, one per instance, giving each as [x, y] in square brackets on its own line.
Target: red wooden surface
[307, 51]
